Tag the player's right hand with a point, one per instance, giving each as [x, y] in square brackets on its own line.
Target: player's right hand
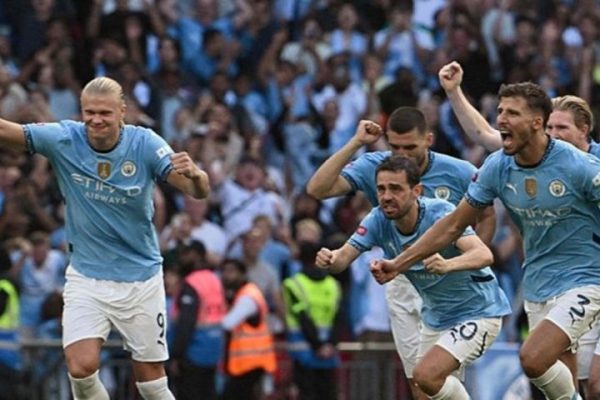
[325, 258]
[368, 132]
[383, 271]
[450, 76]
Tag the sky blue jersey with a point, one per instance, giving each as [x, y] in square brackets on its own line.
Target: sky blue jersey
[447, 299]
[108, 197]
[445, 178]
[594, 149]
[555, 204]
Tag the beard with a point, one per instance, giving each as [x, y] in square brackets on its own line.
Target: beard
[395, 212]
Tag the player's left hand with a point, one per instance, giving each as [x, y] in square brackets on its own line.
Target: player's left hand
[383, 271]
[184, 165]
[436, 264]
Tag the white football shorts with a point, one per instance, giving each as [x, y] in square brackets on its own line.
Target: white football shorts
[466, 341]
[404, 304]
[137, 310]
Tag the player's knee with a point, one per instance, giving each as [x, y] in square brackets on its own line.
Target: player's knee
[426, 380]
[530, 363]
[82, 365]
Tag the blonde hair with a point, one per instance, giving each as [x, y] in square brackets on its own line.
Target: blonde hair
[578, 107]
[104, 86]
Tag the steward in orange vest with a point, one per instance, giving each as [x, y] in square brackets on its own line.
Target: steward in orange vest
[198, 338]
[250, 352]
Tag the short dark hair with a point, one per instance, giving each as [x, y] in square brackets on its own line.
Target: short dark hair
[537, 99]
[239, 264]
[405, 119]
[196, 246]
[399, 164]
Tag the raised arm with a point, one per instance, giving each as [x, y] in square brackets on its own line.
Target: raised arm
[475, 255]
[187, 177]
[336, 261]
[440, 235]
[474, 124]
[12, 135]
[327, 181]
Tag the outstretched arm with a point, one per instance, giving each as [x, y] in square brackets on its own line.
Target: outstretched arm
[327, 181]
[187, 177]
[336, 260]
[475, 255]
[440, 235]
[474, 124]
[12, 135]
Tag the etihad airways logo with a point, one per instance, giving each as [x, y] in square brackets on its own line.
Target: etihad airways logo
[96, 189]
[536, 216]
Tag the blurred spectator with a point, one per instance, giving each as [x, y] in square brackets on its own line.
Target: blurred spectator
[210, 234]
[178, 233]
[7, 57]
[276, 252]
[244, 197]
[12, 95]
[263, 275]
[197, 344]
[498, 29]
[401, 44]
[40, 271]
[218, 54]
[309, 51]
[32, 27]
[10, 358]
[347, 39]
[313, 319]
[351, 99]
[250, 353]
[127, 26]
[137, 87]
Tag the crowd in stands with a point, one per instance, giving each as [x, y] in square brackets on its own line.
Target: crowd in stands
[259, 93]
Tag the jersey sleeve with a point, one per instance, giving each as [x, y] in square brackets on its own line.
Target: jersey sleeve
[366, 235]
[42, 138]
[360, 172]
[158, 154]
[468, 173]
[591, 178]
[482, 189]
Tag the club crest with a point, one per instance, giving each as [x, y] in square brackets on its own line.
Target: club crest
[128, 169]
[442, 192]
[531, 186]
[103, 168]
[557, 188]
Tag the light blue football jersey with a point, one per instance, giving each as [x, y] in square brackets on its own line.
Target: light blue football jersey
[448, 299]
[108, 197]
[555, 205]
[445, 178]
[594, 149]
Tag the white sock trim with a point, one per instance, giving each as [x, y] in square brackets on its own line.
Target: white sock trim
[88, 388]
[157, 389]
[556, 383]
[452, 389]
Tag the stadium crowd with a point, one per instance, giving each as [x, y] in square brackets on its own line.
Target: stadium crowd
[260, 93]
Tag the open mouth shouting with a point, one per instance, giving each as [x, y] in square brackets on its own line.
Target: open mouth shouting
[507, 138]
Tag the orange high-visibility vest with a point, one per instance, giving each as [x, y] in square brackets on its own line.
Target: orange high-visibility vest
[210, 294]
[251, 347]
